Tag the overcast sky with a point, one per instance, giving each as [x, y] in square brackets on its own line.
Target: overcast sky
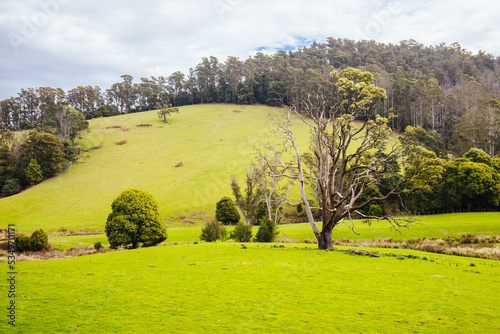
[67, 43]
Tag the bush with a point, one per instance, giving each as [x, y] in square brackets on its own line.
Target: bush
[242, 232]
[213, 231]
[135, 220]
[376, 210]
[22, 243]
[98, 246]
[226, 212]
[267, 232]
[11, 187]
[38, 240]
[300, 208]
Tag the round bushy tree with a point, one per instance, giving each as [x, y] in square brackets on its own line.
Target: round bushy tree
[135, 220]
[39, 240]
[226, 212]
[213, 231]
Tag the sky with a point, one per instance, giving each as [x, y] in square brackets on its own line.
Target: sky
[70, 43]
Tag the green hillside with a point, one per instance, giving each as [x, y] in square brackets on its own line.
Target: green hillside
[211, 141]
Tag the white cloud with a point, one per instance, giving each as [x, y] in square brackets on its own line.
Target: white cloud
[65, 43]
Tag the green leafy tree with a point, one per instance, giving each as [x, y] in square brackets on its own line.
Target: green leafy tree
[226, 211]
[248, 203]
[33, 172]
[213, 231]
[166, 111]
[45, 148]
[470, 186]
[38, 240]
[134, 220]
[478, 155]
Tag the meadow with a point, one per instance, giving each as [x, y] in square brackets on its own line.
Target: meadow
[228, 287]
[140, 151]
[435, 226]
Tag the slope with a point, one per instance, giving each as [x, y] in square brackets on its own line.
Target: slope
[211, 141]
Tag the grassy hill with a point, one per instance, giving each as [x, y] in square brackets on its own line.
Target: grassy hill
[140, 151]
[221, 288]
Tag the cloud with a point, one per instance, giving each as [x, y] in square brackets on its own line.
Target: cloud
[66, 43]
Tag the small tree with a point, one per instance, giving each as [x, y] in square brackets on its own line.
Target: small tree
[268, 231]
[242, 232]
[98, 246]
[213, 231]
[34, 173]
[248, 202]
[38, 241]
[226, 212]
[135, 220]
[166, 111]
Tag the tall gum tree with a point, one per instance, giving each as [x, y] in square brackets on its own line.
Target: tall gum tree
[352, 148]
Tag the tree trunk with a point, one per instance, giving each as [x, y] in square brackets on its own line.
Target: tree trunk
[325, 237]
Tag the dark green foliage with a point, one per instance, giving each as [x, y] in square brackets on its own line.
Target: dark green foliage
[213, 231]
[242, 232]
[11, 187]
[33, 173]
[135, 220]
[98, 246]
[261, 212]
[22, 243]
[268, 231]
[38, 240]
[300, 208]
[370, 192]
[226, 212]
[46, 149]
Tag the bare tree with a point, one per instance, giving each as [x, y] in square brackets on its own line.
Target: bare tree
[352, 148]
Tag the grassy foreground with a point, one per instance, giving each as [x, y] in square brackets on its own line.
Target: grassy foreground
[140, 151]
[221, 288]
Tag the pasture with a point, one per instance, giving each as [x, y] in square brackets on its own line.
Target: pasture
[220, 288]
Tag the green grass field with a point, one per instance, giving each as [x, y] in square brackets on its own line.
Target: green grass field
[212, 142]
[221, 288]
[437, 226]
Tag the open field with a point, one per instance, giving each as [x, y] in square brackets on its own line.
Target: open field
[212, 142]
[436, 226]
[220, 288]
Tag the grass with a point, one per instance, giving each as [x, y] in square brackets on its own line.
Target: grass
[220, 288]
[436, 226]
[212, 142]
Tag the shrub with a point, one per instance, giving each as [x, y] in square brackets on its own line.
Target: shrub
[11, 187]
[22, 243]
[242, 232]
[300, 208]
[267, 231]
[226, 212]
[134, 220]
[213, 231]
[261, 212]
[38, 240]
[376, 210]
[98, 246]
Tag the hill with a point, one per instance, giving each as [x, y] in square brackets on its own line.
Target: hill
[140, 151]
